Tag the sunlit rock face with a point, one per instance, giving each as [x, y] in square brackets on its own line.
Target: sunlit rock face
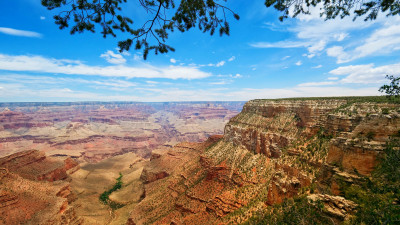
[269, 152]
[34, 189]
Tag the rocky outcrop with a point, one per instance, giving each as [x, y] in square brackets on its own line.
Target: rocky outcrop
[28, 197]
[272, 150]
[151, 176]
[268, 126]
[334, 205]
[35, 165]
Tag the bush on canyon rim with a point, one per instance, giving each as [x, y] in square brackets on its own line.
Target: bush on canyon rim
[293, 211]
[378, 196]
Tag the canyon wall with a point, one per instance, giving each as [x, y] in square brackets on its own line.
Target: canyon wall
[34, 189]
[272, 150]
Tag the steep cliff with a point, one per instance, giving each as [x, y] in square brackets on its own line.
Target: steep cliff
[273, 150]
[34, 190]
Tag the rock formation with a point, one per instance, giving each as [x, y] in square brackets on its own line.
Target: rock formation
[34, 190]
[92, 132]
[272, 150]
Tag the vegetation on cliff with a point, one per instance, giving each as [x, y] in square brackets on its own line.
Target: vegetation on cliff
[378, 196]
[104, 197]
[294, 211]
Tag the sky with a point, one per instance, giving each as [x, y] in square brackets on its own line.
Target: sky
[262, 58]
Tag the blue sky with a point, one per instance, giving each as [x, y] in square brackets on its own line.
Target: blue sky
[262, 58]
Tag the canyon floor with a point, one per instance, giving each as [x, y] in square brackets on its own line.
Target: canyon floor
[284, 161]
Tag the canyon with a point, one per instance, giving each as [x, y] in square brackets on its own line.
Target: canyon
[273, 150]
[93, 131]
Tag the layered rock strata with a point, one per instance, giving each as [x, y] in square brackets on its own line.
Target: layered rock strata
[272, 150]
[33, 190]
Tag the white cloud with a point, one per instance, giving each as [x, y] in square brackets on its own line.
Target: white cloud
[51, 65]
[219, 64]
[333, 78]
[323, 83]
[316, 67]
[286, 57]
[339, 53]
[137, 57]
[115, 83]
[365, 74]
[42, 18]
[236, 76]
[298, 63]
[315, 33]
[231, 58]
[172, 60]
[151, 82]
[317, 47]
[340, 37]
[281, 44]
[23, 33]
[64, 90]
[383, 40]
[51, 81]
[222, 82]
[113, 58]
[310, 56]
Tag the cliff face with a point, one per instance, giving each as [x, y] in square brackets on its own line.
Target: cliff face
[271, 151]
[34, 190]
[268, 126]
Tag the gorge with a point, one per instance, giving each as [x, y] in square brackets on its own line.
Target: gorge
[270, 153]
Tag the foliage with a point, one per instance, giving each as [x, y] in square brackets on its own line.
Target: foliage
[378, 197]
[393, 89]
[293, 211]
[333, 8]
[370, 135]
[85, 15]
[104, 197]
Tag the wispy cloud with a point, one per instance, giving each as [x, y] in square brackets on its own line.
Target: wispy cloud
[316, 67]
[172, 60]
[310, 84]
[381, 41]
[219, 64]
[365, 74]
[24, 93]
[316, 35]
[113, 58]
[22, 33]
[62, 66]
[231, 58]
[281, 44]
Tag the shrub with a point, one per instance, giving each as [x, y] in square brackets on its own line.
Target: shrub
[104, 197]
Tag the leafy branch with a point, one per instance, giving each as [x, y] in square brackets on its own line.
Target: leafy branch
[152, 35]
